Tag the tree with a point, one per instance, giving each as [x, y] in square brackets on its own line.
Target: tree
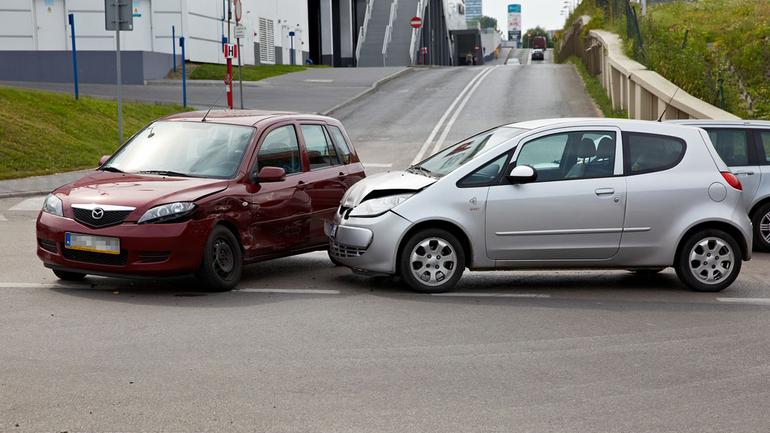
[484, 22]
[526, 38]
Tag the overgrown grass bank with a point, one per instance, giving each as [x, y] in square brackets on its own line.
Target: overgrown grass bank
[249, 73]
[716, 50]
[596, 91]
[44, 132]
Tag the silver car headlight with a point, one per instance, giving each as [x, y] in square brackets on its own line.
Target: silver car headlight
[167, 212]
[53, 205]
[378, 206]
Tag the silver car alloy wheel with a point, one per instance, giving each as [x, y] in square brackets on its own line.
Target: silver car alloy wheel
[433, 261]
[711, 260]
[764, 227]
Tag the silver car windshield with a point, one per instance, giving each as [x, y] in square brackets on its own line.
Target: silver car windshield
[449, 159]
[185, 149]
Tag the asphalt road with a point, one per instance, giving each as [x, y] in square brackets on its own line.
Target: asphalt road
[390, 127]
[303, 346]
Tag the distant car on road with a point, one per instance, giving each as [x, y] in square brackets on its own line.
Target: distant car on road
[745, 147]
[560, 193]
[538, 54]
[539, 42]
[201, 195]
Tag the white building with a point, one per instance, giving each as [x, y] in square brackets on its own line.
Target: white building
[35, 35]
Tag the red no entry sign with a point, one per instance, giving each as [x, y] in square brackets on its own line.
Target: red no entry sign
[416, 22]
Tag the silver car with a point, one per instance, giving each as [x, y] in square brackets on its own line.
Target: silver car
[549, 194]
[745, 147]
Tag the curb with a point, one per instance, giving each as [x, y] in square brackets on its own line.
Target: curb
[203, 83]
[14, 194]
[366, 92]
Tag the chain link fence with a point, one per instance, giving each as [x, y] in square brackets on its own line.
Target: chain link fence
[622, 14]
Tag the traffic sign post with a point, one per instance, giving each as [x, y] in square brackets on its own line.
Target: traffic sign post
[184, 73]
[118, 16]
[292, 55]
[229, 59]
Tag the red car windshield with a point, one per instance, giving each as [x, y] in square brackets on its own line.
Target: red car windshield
[184, 149]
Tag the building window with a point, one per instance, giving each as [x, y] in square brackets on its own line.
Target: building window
[266, 41]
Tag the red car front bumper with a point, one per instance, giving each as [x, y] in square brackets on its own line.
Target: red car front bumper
[154, 250]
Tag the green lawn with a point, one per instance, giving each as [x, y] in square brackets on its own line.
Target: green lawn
[44, 132]
[250, 73]
[596, 91]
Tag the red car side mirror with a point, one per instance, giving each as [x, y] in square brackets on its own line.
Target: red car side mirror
[103, 159]
[270, 174]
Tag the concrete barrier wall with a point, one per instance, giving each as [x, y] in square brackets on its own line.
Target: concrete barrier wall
[642, 93]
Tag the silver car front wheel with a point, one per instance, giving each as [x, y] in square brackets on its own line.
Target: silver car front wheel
[761, 222]
[432, 261]
[709, 261]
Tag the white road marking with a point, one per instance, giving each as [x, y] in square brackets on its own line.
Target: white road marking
[426, 144]
[752, 301]
[529, 57]
[457, 112]
[318, 80]
[292, 291]
[492, 295]
[3, 218]
[32, 286]
[33, 203]
[378, 165]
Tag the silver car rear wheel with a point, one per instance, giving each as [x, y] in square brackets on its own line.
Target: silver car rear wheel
[431, 261]
[709, 260]
[761, 220]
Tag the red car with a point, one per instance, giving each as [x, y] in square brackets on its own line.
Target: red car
[201, 194]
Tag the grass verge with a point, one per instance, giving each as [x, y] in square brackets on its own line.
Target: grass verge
[44, 132]
[596, 91]
[250, 73]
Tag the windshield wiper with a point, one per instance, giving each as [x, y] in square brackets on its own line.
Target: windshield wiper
[112, 169]
[164, 173]
[420, 170]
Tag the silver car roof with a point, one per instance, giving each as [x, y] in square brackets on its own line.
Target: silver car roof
[713, 122]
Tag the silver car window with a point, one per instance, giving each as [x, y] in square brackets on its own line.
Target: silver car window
[571, 155]
[731, 144]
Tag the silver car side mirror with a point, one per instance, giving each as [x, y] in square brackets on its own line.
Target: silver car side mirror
[522, 174]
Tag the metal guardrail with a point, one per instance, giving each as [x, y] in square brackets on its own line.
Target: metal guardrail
[362, 29]
[416, 33]
[389, 31]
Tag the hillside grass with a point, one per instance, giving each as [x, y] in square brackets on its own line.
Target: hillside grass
[724, 59]
[45, 132]
[210, 71]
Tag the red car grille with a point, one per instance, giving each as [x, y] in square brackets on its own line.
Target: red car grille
[109, 217]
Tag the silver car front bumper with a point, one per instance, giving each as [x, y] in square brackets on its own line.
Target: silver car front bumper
[368, 245]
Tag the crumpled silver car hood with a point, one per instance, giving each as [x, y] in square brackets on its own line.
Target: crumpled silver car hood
[396, 181]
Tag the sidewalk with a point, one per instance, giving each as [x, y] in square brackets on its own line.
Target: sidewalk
[37, 185]
[315, 90]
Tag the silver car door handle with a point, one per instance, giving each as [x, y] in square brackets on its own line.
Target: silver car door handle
[747, 173]
[605, 191]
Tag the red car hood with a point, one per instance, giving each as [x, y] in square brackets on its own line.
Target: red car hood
[139, 191]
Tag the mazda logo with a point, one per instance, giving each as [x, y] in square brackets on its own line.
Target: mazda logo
[97, 213]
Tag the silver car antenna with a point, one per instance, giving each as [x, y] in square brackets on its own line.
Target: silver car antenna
[668, 104]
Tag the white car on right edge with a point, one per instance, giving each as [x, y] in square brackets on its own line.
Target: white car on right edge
[744, 146]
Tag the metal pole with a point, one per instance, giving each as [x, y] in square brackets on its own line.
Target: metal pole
[229, 75]
[240, 78]
[644, 7]
[74, 56]
[173, 45]
[184, 73]
[120, 91]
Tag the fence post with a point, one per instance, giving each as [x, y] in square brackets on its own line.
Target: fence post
[173, 45]
[184, 73]
[71, 18]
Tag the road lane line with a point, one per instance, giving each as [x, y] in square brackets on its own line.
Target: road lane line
[446, 114]
[378, 165]
[529, 57]
[3, 218]
[752, 301]
[34, 286]
[457, 112]
[492, 295]
[292, 291]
